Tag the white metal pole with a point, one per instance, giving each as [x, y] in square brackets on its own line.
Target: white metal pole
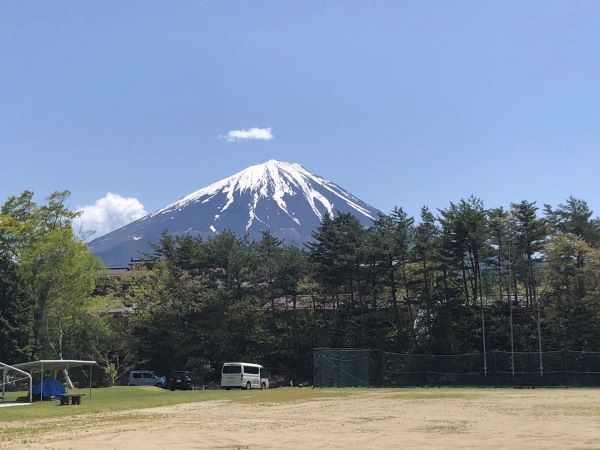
[539, 330]
[483, 339]
[510, 303]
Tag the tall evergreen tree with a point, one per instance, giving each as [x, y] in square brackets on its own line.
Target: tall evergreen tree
[426, 252]
[464, 226]
[499, 244]
[269, 252]
[391, 238]
[529, 235]
[575, 217]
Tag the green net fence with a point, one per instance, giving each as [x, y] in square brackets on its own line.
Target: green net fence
[342, 367]
[364, 367]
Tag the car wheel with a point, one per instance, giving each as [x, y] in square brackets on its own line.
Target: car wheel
[248, 386]
[263, 386]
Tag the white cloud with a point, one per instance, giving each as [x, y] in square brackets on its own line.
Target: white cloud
[108, 213]
[262, 134]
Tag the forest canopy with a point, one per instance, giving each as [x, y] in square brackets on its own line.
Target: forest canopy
[430, 284]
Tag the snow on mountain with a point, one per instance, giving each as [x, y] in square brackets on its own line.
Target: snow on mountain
[283, 197]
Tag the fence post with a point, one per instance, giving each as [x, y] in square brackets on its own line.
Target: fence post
[338, 368]
[315, 368]
[321, 368]
[495, 370]
[381, 369]
[376, 368]
[565, 360]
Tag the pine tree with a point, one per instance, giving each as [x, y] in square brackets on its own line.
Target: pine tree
[391, 239]
[498, 225]
[426, 251]
[529, 235]
[575, 217]
[337, 253]
[464, 227]
[269, 253]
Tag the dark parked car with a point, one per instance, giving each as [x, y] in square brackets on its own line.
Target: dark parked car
[182, 379]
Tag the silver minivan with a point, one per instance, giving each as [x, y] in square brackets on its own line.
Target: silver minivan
[146, 378]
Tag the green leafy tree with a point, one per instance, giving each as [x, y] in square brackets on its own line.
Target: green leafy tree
[571, 274]
[57, 270]
[16, 334]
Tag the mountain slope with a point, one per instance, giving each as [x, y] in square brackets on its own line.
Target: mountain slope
[283, 197]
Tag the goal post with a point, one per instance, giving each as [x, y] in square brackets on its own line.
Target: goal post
[15, 385]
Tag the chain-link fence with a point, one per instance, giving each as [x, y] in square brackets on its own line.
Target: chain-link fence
[364, 367]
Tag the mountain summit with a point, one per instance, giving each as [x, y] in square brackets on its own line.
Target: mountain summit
[283, 197]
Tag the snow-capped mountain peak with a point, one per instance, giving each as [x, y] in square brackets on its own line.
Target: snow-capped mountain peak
[275, 180]
[283, 197]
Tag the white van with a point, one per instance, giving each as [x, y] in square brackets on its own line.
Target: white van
[244, 376]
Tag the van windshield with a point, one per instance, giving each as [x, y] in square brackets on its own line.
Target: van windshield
[232, 369]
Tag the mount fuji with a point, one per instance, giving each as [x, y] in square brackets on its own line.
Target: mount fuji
[282, 197]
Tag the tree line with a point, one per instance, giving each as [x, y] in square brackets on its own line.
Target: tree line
[447, 282]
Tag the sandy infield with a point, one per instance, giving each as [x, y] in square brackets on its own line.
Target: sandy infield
[378, 418]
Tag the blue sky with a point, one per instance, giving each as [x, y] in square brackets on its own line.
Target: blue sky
[401, 102]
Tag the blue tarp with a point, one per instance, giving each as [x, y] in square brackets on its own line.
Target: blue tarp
[52, 388]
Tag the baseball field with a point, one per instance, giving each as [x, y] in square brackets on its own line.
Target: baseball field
[152, 418]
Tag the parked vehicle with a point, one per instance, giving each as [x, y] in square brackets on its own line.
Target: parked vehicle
[146, 378]
[182, 379]
[244, 376]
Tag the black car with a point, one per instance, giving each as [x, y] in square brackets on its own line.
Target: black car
[182, 379]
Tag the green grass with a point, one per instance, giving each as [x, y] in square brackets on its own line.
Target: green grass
[290, 395]
[121, 398]
[428, 394]
[24, 423]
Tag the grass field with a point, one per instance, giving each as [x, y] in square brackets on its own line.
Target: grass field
[124, 398]
[137, 417]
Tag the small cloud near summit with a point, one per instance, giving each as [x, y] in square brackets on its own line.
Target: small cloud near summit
[260, 134]
[108, 213]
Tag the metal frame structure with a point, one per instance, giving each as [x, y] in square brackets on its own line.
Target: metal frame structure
[4, 368]
[54, 364]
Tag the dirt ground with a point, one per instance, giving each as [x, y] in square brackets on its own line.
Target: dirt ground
[407, 418]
